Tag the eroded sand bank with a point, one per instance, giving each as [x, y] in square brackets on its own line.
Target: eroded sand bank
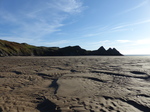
[75, 84]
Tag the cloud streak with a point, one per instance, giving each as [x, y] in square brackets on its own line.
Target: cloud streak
[129, 25]
[57, 43]
[135, 7]
[144, 41]
[38, 20]
[68, 6]
[123, 41]
[111, 29]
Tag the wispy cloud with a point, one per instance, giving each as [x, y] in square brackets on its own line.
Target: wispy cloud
[136, 46]
[123, 41]
[37, 42]
[92, 34]
[135, 7]
[20, 39]
[130, 46]
[57, 43]
[101, 42]
[68, 6]
[121, 27]
[97, 44]
[40, 19]
[143, 41]
[94, 30]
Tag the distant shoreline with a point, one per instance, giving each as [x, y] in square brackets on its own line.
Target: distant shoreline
[139, 55]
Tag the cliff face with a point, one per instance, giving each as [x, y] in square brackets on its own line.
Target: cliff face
[100, 51]
[16, 49]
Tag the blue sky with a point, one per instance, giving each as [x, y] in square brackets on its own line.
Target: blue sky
[123, 24]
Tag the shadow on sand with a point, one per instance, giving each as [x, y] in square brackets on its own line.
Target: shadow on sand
[47, 106]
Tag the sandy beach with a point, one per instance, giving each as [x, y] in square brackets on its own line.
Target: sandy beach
[75, 84]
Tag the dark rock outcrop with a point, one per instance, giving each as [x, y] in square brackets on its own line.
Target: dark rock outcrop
[113, 52]
[72, 51]
[100, 51]
[16, 49]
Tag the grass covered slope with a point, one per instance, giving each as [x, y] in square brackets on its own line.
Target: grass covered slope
[16, 49]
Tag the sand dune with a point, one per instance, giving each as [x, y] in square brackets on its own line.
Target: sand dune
[75, 84]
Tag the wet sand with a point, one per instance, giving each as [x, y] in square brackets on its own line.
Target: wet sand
[75, 84]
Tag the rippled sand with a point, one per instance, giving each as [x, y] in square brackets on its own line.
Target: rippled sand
[75, 84]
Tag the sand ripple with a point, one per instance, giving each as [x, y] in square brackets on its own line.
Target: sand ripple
[75, 84]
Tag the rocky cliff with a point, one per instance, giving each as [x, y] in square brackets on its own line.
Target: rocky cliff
[16, 49]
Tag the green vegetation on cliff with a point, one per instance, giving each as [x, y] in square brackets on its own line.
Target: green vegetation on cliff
[16, 49]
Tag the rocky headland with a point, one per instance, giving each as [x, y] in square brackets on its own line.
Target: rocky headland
[8, 48]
